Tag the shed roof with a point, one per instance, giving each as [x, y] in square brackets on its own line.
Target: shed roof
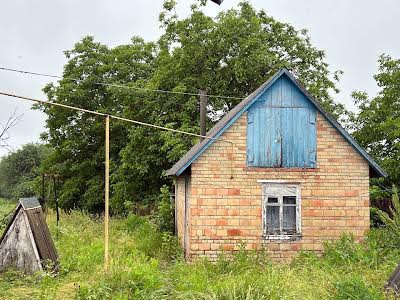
[239, 109]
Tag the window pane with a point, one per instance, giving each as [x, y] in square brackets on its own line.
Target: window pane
[289, 219]
[289, 200]
[272, 219]
[272, 200]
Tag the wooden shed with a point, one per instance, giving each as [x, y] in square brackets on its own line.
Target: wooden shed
[26, 243]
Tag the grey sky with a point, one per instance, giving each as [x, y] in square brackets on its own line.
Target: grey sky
[34, 34]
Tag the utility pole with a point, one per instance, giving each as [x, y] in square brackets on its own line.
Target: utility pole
[107, 191]
[203, 99]
[203, 113]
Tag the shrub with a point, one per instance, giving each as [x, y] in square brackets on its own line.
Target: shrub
[150, 240]
[375, 220]
[164, 215]
[354, 287]
[343, 251]
[392, 223]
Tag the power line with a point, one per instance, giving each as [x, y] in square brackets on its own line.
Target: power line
[117, 85]
[111, 116]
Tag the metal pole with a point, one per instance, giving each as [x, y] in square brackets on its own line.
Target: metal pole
[107, 191]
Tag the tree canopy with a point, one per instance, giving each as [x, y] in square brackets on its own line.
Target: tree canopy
[19, 169]
[377, 124]
[230, 55]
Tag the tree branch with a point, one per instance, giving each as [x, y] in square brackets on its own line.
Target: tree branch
[12, 121]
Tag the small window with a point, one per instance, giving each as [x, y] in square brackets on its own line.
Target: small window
[281, 210]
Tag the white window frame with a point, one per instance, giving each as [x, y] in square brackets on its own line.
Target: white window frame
[272, 189]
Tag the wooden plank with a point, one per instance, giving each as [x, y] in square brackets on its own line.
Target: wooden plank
[41, 233]
[281, 128]
[107, 191]
[394, 281]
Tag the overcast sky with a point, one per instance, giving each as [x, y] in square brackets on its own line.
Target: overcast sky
[34, 34]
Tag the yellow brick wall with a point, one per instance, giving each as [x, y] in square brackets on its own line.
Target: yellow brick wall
[225, 202]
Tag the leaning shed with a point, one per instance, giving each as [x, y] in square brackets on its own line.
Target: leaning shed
[276, 172]
[26, 243]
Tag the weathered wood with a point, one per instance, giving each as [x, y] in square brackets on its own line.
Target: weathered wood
[394, 281]
[107, 192]
[26, 243]
[18, 248]
[41, 233]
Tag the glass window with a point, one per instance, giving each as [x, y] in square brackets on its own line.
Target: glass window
[281, 212]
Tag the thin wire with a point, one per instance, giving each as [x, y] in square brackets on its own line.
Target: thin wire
[382, 186]
[118, 85]
[112, 116]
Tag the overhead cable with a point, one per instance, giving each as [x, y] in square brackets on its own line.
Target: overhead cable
[117, 85]
[111, 116]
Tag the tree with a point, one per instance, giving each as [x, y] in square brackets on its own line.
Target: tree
[5, 129]
[19, 169]
[78, 138]
[229, 55]
[377, 125]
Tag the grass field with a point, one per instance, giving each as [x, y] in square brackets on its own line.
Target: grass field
[148, 264]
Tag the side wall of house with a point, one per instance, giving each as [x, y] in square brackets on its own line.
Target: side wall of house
[182, 202]
[180, 207]
[226, 202]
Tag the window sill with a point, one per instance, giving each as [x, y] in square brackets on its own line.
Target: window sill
[282, 237]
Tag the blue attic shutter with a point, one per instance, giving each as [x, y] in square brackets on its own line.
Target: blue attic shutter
[281, 128]
[264, 137]
[299, 137]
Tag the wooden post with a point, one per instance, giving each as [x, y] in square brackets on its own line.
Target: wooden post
[107, 191]
[203, 114]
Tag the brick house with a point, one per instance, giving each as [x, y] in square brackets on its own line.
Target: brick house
[276, 172]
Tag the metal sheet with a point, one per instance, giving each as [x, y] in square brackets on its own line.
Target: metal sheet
[29, 203]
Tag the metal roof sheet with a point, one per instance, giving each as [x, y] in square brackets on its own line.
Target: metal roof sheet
[29, 203]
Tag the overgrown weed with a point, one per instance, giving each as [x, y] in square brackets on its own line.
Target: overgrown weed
[148, 264]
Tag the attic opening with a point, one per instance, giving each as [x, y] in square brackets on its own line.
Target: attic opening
[281, 128]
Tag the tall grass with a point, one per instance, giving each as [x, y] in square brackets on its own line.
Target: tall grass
[148, 264]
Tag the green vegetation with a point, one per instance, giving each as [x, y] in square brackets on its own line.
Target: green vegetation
[148, 264]
[392, 221]
[231, 55]
[19, 169]
[377, 124]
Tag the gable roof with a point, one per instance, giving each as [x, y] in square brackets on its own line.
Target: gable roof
[239, 109]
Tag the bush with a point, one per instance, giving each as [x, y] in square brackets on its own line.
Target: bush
[344, 251]
[393, 222]
[375, 220]
[354, 287]
[151, 241]
[164, 215]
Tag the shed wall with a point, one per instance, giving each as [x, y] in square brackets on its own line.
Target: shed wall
[225, 212]
[18, 249]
